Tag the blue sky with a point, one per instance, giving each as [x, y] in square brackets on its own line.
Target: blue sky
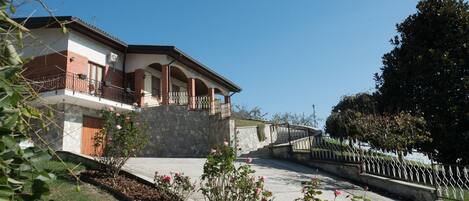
[286, 55]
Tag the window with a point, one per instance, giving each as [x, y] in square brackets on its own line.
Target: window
[95, 72]
[95, 76]
[155, 86]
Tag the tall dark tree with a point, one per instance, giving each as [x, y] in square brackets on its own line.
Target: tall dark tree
[427, 73]
[342, 121]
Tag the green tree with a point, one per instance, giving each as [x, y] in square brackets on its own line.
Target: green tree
[399, 133]
[427, 73]
[342, 121]
[243, 112]
[295, 119]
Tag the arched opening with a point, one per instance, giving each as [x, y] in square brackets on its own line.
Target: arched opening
[178, 80]
[201, 88]
[155, 80]
[156, 66]
[219, 95]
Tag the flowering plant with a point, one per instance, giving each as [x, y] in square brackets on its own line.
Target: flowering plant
[176, 183]
[120, 138]
[223, 181]
[310, 190]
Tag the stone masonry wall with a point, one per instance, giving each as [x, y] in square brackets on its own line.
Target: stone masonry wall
[66, 133]
[247, 139]
[177, 132]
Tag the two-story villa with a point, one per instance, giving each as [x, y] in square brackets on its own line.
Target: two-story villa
[86, 69]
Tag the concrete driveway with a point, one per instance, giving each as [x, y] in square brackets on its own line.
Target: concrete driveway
[283, 178]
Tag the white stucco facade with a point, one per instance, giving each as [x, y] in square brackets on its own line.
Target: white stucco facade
[94, 51]
[45, 41]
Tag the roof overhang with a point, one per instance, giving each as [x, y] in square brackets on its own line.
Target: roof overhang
[76, 24]
[186, 60]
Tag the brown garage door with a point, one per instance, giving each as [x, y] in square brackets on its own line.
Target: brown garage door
[91, 126]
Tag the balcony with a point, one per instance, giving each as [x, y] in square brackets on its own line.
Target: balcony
[80, 84]
[194, 103]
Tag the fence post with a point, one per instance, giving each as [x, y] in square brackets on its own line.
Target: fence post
[73, 82]
[100, 90]
[289, 139]
[271, 127]
[360, 157]
[434, 175]
[310, 145]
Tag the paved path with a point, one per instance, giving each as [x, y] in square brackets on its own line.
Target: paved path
[283, 178]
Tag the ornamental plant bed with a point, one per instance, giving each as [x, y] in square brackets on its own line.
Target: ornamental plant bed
[126, 188]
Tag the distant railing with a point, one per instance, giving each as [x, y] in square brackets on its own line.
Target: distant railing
[225, 110]
[450, 181]
[202, 102]
[81, 84]
[178, 97]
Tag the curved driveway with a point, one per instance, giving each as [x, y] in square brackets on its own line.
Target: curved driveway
[284, 178]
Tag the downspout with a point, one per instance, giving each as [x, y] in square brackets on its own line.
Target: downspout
[233, 93]
[123, 70]
[169, 69]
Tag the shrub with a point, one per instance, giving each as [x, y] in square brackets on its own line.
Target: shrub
[120, 138]
[310, 190]
[19, 165]
[176, 184]
[260, 132]
[223, 181]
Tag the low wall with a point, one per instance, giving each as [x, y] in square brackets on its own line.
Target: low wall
[352, 172]
[247, 139]
[177, 132]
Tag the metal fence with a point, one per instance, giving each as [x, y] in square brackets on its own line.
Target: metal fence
[81, 84]
[450, 181]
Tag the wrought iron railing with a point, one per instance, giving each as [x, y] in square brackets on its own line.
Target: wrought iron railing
[450, 181]
[81, 84]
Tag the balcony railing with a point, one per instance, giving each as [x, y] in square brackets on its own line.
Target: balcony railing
[178, 97]
[81, 84]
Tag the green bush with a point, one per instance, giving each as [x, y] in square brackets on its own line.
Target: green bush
[223, 181]
[120, 138]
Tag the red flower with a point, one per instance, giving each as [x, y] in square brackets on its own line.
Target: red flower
[337, 193]
[167, 178]
[258, 191]
[262, 178]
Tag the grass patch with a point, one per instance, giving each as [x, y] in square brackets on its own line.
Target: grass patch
[247, 122]
[451, 189]
[65, 187]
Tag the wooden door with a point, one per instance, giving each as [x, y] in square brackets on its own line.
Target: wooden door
[91, 126]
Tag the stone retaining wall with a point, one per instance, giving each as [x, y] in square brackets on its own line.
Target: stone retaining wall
[352, 172]
[176, 131]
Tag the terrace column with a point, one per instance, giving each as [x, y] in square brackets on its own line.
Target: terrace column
[211, 94]
[191, 93]
[139, 83]
[165, 84]
[228, 104]
[227, 99]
